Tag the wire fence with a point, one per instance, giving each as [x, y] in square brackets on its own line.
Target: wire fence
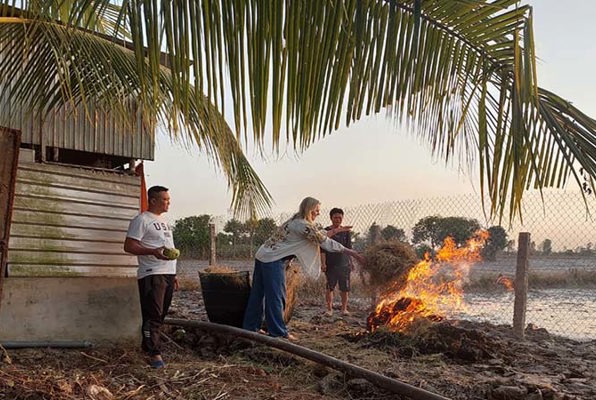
[562, 265]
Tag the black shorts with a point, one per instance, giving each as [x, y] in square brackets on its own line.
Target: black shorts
[338, 276]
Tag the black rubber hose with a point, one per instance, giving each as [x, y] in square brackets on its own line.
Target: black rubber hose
[66, 344]
[382, 381]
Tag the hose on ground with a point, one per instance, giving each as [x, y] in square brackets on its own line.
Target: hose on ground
[375, 378]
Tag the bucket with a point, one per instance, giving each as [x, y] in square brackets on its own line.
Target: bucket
[225, 296]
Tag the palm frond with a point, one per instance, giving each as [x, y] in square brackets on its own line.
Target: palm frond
[37, 60]
[461, 73]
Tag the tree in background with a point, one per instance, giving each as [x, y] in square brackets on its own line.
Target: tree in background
[496, 241]
[236, 230]
[232, 243]
[265, 227]
[390, 232]
[547, 247]
[374, 234]
[423, 249]
[241, 239]
[427, 229]
[258, 230]
[510, 248]
[434, 229]
[191, 235]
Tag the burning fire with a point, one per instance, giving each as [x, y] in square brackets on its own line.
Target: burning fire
[433, 288]
[506, 281]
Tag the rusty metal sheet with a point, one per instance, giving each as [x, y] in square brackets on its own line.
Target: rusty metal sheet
[93, 130]
[71, 221]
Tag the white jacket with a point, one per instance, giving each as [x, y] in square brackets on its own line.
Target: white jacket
[302, 239]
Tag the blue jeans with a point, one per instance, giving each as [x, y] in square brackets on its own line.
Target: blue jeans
[268, 286]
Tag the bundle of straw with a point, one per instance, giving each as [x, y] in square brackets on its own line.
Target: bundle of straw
[293, 280]
[388, 263]
[226, 274]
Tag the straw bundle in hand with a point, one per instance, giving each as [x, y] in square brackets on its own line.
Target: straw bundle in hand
[389, 263]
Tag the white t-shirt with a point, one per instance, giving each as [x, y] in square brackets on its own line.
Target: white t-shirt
[152, 231]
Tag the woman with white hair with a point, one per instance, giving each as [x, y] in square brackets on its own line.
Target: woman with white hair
[298, 237]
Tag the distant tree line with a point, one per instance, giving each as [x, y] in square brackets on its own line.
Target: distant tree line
[546, 248]
[429, 233]
[239, 240]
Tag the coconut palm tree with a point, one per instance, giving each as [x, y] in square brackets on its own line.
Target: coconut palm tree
[460, 73]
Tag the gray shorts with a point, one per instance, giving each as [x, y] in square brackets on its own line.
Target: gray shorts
[338, 276]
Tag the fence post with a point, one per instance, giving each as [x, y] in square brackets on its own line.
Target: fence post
[212, 248]
[521, 284]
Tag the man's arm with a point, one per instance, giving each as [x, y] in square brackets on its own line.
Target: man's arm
[135, 247]
[334, 231]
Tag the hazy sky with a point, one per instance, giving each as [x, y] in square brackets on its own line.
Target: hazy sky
[372, 161]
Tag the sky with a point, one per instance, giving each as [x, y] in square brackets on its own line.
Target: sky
[373, 161]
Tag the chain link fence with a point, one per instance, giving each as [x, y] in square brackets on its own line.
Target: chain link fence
[562, 265]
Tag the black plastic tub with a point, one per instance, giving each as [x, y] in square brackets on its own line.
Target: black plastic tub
[225, 296]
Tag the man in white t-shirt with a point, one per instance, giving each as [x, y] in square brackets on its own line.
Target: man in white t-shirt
[148, 235]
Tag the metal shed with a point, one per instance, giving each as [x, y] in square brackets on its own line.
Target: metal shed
[67, 276]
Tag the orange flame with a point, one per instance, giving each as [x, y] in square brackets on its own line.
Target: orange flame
[433, 289]
[506, 281]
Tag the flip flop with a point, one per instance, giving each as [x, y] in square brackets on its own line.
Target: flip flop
[157, 364]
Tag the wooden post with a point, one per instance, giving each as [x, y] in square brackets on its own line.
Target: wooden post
[521, 284]
[10, 142]
[212, 248]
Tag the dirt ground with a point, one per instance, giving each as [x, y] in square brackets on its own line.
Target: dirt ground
[455, 359]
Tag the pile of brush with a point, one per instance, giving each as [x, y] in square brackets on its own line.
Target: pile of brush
[388, 263]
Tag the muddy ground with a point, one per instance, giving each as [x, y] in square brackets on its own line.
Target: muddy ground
[456, 359]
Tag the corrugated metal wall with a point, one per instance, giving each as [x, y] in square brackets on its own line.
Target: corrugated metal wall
[93, 131]
[70, 221]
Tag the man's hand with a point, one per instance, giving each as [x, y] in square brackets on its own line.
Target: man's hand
[324, 267]
[158, 253]
[135, 247]
[334, 231]
[176, 284]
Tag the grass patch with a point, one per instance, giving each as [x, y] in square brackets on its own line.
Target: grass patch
[572, 278]
[569, 278]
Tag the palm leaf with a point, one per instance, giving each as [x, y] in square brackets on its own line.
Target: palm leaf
[105, 74]
[461, 73]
